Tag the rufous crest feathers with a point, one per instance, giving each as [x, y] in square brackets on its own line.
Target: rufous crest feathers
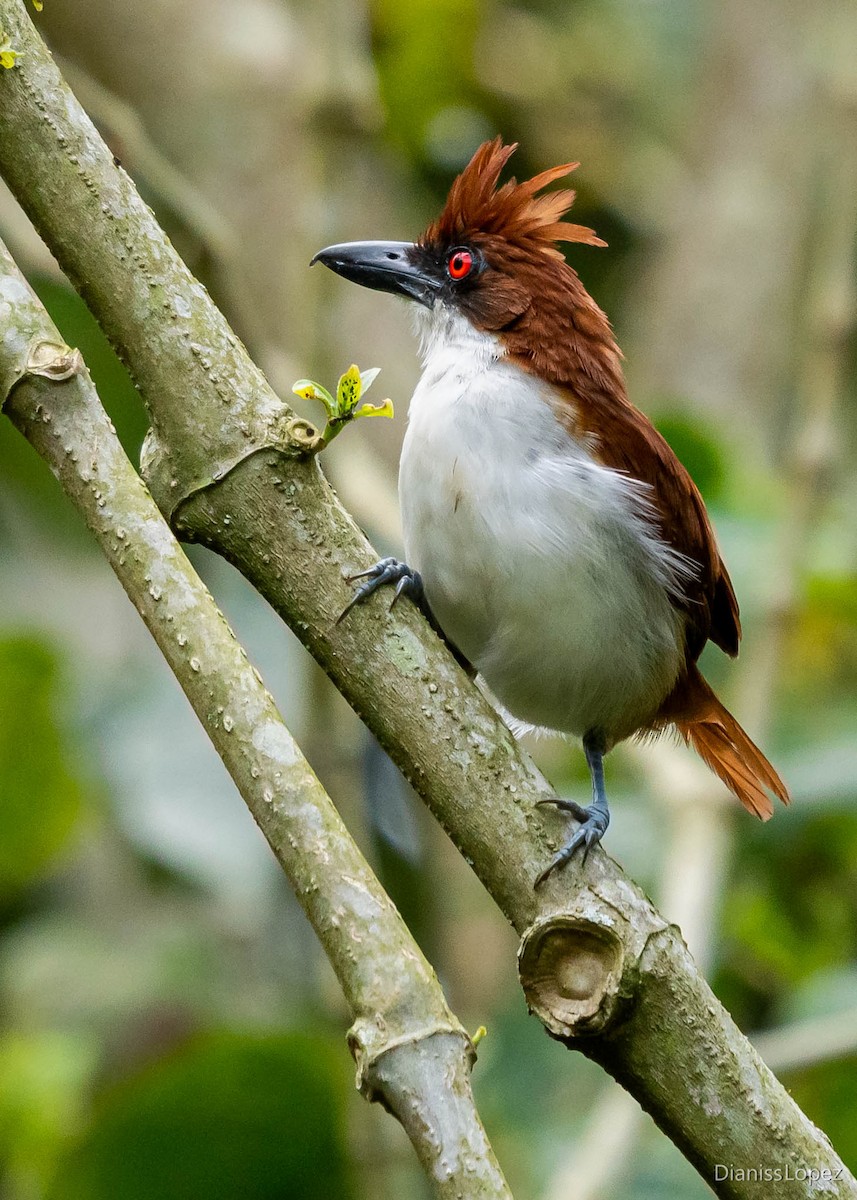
[514, 211]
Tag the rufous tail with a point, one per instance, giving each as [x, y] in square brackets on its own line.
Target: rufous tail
[721, 743]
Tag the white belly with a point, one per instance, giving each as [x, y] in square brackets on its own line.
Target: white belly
[540, 564]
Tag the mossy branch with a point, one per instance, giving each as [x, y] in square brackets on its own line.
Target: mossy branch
[599, 966]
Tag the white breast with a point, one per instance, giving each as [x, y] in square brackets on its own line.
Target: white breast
[540, 564]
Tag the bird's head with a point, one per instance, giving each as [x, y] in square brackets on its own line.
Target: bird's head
[490, 256]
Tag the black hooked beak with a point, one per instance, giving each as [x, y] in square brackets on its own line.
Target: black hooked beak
[385, 266]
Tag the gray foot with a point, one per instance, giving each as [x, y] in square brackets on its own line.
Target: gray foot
[385, 572]
[594, 819]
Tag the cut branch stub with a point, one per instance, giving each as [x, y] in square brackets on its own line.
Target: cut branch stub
[579, 961]
[571, 971]
[53, 360]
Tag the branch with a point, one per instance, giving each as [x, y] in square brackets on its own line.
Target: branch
[696, 837]
[174, 191]
[599, 966]
[411, 1052]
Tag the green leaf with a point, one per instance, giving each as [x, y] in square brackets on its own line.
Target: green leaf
[368, 377]
[308, 389]
[348, 391]
[40, 800]
[8, 54]
[375, 410]
[228, 1115]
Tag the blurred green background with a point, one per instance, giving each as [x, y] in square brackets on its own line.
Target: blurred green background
[169, 1026]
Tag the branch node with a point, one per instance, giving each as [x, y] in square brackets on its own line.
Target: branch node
[369, 1045]
[50, 360]
[173, 486]
[304, 435]
[53, 360]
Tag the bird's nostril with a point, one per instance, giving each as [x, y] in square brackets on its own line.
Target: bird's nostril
[392, 254]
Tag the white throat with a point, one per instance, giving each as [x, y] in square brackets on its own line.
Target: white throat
[447, 338]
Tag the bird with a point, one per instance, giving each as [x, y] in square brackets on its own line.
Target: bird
[551, 534]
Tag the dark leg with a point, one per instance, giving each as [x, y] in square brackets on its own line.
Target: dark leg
[388, 570]
[408, 583]
[594, 819]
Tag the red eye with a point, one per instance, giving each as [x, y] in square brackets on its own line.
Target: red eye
[460, 264]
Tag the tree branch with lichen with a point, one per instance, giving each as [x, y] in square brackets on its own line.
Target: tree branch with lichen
[599, 966]
[411, 1052]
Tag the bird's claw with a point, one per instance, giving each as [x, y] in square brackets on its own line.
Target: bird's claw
[386, 571]
[570, 806]
[594, 821]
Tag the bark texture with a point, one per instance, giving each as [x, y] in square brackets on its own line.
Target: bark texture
[412, 1054]
[599, 966]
